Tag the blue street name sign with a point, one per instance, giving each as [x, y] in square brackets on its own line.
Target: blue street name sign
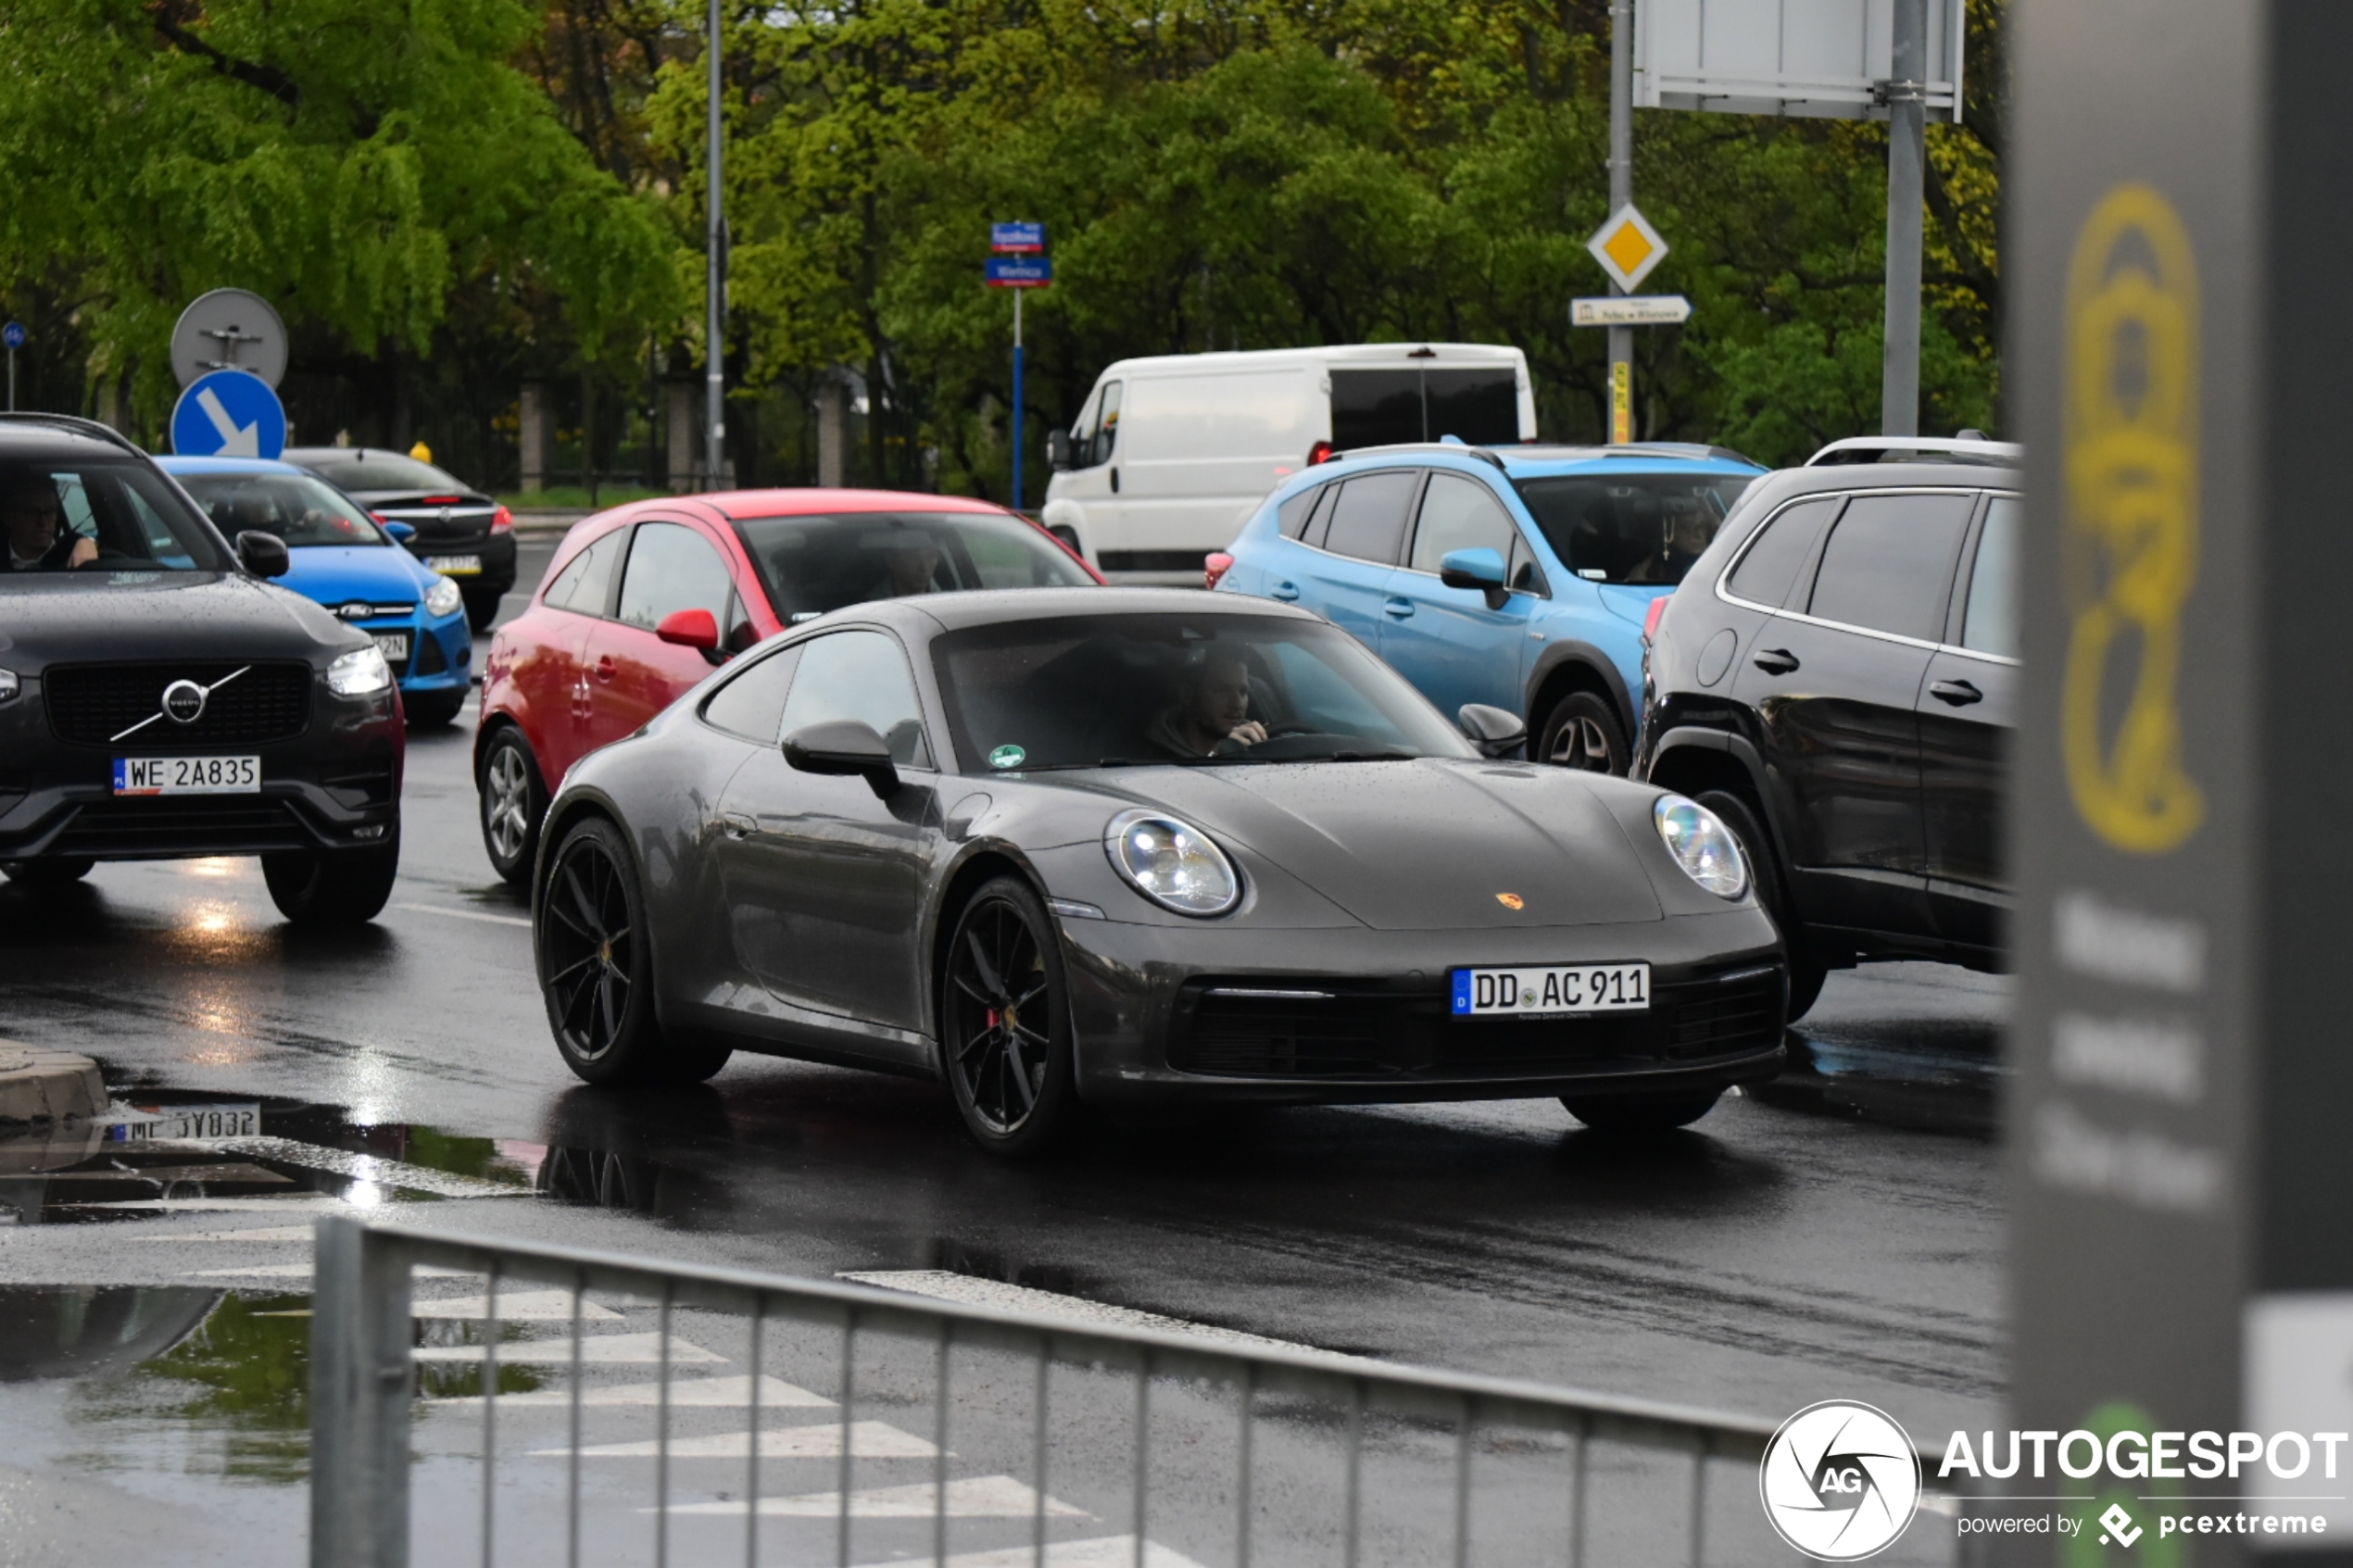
[1020, 272]
[13, 335]
[229, 414]
[1026, 239]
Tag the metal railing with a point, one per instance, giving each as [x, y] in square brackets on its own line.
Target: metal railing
[1466, 1461]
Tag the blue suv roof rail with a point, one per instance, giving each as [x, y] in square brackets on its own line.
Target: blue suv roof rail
[79, 426]
[1452, 448]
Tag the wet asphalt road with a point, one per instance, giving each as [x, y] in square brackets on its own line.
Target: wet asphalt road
[1834, 1235]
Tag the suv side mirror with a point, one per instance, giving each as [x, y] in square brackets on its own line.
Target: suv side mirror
[1059, 455]
[401, 532]
[264, 555]
[694, 628]
[1481, 568]
[843, 746]
[1493, 730]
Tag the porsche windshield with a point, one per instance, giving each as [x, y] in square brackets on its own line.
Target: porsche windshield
[117, 516]
[1133, 690]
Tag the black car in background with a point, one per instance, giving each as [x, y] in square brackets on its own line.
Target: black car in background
[460, 532]
[1835, 678]
[158, 700]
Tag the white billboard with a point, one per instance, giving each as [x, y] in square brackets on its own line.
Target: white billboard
[1823, 58]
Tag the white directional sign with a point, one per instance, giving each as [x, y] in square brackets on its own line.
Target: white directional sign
[229, 414]
[1628, 247]
[1632, 311]
[229, 329]
[1812, 58]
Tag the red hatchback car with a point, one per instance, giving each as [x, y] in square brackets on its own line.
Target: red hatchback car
[643, 601]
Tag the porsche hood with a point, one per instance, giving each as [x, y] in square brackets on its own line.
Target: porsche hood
[1421, 846]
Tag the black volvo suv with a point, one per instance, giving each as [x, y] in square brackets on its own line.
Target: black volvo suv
[159, 701]
[1835, 678]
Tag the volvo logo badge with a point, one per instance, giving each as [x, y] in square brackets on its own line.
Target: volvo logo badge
[183, 702]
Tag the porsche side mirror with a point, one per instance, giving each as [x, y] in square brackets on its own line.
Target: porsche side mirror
[694, 628]
[1495, 732]
[264, 555]
[1481, 568]
[843, 746]
[1059, 455]
[401, 532]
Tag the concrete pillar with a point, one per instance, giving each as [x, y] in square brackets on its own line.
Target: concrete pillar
[679, 402]
[833, 432]
[537, 435]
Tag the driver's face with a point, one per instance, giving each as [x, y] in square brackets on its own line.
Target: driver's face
[33, 521]
[913, 569]
[1221, 700]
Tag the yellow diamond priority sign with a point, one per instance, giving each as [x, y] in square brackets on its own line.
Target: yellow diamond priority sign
[1628, 247]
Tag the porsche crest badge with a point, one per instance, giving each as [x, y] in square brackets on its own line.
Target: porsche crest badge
[1511, 901]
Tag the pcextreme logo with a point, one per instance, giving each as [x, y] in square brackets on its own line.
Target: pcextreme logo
[1840, 1481]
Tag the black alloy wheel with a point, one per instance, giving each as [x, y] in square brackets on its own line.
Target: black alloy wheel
[1582, 732]
[332, 887]
[511, 801]
[1806, 973]
[1005, 1022]
[1641, 1113]
[596, 968]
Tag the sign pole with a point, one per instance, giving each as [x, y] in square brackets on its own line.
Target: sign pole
[1621, 194]
[1906, 158]
[715, 327]
[12, 378]
[1016, 420]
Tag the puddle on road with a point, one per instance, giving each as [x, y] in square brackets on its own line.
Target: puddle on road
[1930, 1076]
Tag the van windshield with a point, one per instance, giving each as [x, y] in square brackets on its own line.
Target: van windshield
[1635, 528]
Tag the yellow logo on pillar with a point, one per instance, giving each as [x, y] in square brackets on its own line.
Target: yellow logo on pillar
[2130, 547]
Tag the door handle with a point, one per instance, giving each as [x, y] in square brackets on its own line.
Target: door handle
[1960, 694]
[1775, 662]
[735, 825]
[605, 668]
[1283, 591]
[1400, 609]
[1114, 482]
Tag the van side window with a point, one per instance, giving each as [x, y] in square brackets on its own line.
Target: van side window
[1106, 433]
[1369, 520]
[1292, 515]
[1771, 565]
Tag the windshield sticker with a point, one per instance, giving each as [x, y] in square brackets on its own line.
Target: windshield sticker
[1007, 757]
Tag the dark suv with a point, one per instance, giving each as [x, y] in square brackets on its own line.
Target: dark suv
[1835, 678]
[158, 700]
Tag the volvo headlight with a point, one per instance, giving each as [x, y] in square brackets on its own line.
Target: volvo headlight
[360, 672]
[1701, 845]
[1173, 863]
[443, 599]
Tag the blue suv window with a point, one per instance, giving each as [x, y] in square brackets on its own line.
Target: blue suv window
[1369, 520]
[1641, 528]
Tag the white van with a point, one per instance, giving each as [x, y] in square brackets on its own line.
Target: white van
[1170, 454]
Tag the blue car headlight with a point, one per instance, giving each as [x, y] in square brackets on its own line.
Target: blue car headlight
[443, 599]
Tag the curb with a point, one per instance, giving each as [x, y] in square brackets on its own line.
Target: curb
[40, 1085]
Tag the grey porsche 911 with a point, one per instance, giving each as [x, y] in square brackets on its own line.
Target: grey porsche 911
[1069, 848]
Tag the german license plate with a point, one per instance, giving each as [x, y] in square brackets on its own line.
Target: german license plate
[455, 566]
[1501, 993]
[394, 645]
[187, 775]
[186, 1123]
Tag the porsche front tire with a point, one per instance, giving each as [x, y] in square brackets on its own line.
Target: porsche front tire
[1806, 973]
[1641, 1113]
[1004, 1022]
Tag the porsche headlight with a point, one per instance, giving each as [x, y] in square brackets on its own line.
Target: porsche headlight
[9, 684]
[1701, 845]
[360, 672]
[1173, 863]
[442, 599]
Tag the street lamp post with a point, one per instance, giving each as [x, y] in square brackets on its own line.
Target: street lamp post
[715, 326]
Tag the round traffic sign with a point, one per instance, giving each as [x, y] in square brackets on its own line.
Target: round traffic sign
[229, 329]
[229, 414]
[13, 335]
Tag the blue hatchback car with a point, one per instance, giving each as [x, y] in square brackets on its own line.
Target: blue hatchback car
[1521, 577]
[347, 560]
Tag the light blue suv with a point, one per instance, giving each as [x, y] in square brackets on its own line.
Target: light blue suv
[1520, 578]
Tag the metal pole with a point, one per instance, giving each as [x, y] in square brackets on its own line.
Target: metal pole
[1621, 191]
[358, 1400]
[715, 329]
[1016, 418]
[12, 381]
[1907, 156]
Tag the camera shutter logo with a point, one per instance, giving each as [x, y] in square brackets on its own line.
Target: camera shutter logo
[1840, 1481]
[183, 702]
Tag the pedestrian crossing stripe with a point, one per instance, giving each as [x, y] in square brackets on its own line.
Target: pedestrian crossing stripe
[1104, 1551]
[608, 1349]
[868, 1439]
[976, 1496]
[686, 1392]
[520, 1306]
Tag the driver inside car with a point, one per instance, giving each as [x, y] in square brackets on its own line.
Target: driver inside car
[1211, 716]
[33, 518]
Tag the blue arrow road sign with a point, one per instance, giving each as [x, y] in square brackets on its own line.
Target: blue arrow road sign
[1011, 238]
[229, 414]
[1020, 272]
[13, 335]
